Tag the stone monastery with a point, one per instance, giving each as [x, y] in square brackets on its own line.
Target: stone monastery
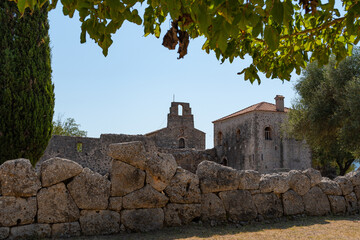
[249, 139]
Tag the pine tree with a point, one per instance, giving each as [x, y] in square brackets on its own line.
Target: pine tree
[26, 90]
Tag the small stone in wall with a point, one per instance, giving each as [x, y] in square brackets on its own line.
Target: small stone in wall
[330, 187]
[98, 222]
[337, 204]
[184, 187]
[132, 153]
[215, 177]
[212, 208]
[17, 211]
[143, 220]
[147, 197]
[293, 203]
[32, 231]
[125, 178]
[314, 175]
[55, 205]
[18, 178]
[299, 182]
[115, 203]
[244, 211]
[160, 168]
[316, 202]
[351, 203]
[66, 230]
[268, 205]
[90, 190]
[4, 232]
[181, 214]
[56, 170]
[249, 180]
[345, 185]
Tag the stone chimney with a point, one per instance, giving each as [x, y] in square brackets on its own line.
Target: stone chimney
[279, 99]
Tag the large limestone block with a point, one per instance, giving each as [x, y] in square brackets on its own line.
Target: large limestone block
[160, 168]
[268, 205]
[299, 182]
[215, 177]
[184, 187]
[17, 211]
[55, 205]
[181, 214]
[316, 202]
[56, 170]
[90, 190]
[277, 183]
[66, 230]
[115, 203]
[212, 208]
[314, 175]
[132, 153]
[18, 178]
[357, 192]
[354, 177]
[4, 232]
[99, 222]
[351, 203]
[330, 187]
[249, 180]
[146, 197]
[32, 231]
[337, 204]
[239, 205]
[125, 178]
[345, 185]
[293, 203]
[143, 220]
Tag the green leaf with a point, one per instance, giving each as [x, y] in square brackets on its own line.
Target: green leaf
[277, 12]
[271, 37]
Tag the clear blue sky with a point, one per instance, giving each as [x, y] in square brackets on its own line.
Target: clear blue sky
[131, 89]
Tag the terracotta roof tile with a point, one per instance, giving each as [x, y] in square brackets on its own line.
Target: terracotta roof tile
[261, 107]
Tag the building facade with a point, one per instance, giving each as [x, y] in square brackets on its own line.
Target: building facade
[252, 139]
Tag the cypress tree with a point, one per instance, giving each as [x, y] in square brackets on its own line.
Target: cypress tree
[26, 90]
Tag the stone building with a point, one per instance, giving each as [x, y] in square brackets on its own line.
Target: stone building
[252, 139]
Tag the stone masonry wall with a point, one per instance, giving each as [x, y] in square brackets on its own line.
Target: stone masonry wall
[146, 190]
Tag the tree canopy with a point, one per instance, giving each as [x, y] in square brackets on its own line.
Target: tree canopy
[327, 112]
[279, 35]
[69, 127]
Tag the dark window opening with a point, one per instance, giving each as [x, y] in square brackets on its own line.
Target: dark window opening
[219, 138]
[181, 143]
[267, 133]
[238, 134]
[224, 162]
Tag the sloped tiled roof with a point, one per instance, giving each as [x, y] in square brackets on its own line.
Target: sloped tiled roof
[260, 107]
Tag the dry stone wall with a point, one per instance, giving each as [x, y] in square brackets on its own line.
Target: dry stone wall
[145, 191]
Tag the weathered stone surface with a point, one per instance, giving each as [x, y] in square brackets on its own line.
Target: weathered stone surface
[351, 203]
[268, 205]
[32, 231]
[239, 205]
[18, 178]
[115, 203]
[357, 192]
[337, 204]
[316, 202]
[90, 190]
[277, 183]
[249, 179]
[55, 205]
[215, 177]
[299, 182]
[125, 178]
[132, 153]
[293, 203]
[212, 208]
[330, 187]
[184, 187]
[160, 168]
[147, 197]
[56, 170]
[181, 214]
[354, 177]
[17, 211]
[143, 220]
[345, 185]
[99, 222]
[314, 175]
[4, 232]
[66, 230]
